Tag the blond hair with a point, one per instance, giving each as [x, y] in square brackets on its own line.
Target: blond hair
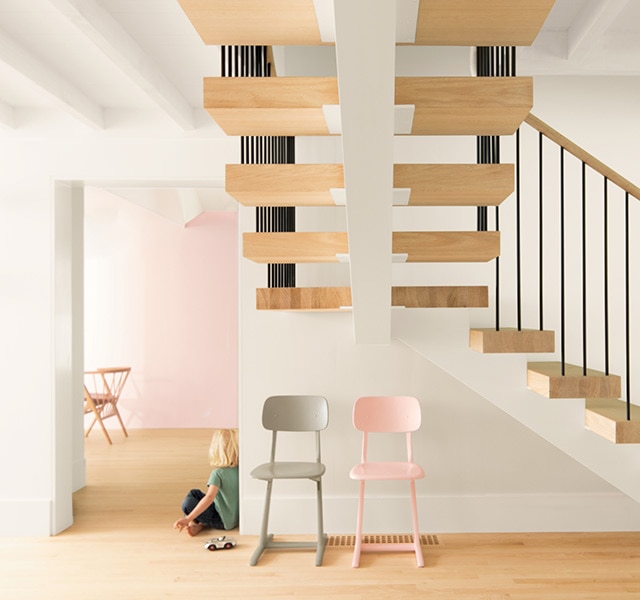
[223, 451]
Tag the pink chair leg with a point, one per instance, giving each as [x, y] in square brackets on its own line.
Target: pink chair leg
[358, 546]
[416, 533]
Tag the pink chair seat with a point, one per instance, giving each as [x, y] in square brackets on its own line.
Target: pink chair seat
[387, 470]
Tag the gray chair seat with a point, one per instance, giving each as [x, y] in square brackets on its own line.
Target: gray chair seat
[288, 470]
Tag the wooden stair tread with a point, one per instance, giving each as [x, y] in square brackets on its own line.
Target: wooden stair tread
[443, 105]
[303, 298]
[447, 246]
[420, 246]
[608, 418]
[546, 379]
[480, 22]
[453, 296]
[511, 340]
[270, 105]
[310, 184]
[336, 298]
[466, 105]
[440, 22]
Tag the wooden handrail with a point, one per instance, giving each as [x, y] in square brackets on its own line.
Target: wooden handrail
[583, 155]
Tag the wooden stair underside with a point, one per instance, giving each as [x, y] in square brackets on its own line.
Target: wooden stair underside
[608, 418]
[546, 379]
[509, 340]
[311, 184]
[335, 298]
[443, 105]
[440, 22]
[420, 246]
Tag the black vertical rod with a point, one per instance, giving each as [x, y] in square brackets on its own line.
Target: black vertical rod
[497, 275]
[518, 239]
[562, 266]
[541, 233]
[606, 276]
[584, 269]
[627, 297]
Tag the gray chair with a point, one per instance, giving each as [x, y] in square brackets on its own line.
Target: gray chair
[292, 414]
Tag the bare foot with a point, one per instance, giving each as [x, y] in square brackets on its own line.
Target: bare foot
[194, 528]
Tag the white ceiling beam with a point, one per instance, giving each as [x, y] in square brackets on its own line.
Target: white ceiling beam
[365, 53]
[591, 25]
[59, 89]
[104, 31]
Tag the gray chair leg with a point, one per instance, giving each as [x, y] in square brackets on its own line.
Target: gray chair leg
[263, 542]
[322, 538]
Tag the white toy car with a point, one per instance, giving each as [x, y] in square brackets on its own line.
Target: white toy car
[223, 541]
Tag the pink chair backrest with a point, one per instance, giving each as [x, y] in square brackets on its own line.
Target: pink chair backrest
[392, 414]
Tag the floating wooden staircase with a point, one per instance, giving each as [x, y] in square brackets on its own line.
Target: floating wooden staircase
[491, 106]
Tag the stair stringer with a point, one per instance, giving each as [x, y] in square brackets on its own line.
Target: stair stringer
[442, 336]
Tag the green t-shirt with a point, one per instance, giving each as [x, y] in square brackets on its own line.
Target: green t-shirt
[227, 501]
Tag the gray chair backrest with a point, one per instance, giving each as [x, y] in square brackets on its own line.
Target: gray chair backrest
[295, 413]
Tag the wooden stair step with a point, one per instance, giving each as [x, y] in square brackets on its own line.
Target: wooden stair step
[440, 22]
[481, 22]
[490, 341]
[443, 105]
[447, 246]
[420, 246]
[466, 105]
[303, 298]
[335, 298]
[311, 184]
[456, 296]
[270, 105]
[608, 418]
[546, 379]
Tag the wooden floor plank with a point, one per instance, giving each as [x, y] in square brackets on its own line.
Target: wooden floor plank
[122, 546]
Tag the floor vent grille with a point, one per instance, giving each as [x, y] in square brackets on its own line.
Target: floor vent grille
[348, 541]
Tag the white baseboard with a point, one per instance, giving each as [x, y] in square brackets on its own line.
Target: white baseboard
[25, 518]
[448, 514]
[79, 474]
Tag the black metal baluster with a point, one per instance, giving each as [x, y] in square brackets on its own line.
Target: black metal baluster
[541, 233]
[606, 276]
[518, 238]
[584, 269]
[627, 302]
[562, 267]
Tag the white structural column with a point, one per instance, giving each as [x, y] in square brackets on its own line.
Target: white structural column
[365, 52]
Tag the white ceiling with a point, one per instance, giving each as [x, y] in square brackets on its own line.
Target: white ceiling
[99, 63]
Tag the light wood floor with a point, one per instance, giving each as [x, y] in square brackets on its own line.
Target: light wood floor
[122, 547]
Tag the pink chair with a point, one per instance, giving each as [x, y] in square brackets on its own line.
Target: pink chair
[387, 414]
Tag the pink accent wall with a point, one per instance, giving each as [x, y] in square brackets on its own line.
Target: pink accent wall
[162, 298]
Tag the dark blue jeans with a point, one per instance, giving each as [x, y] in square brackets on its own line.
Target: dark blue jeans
[209, 518]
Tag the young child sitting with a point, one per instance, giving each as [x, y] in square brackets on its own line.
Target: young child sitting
[219, 506]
